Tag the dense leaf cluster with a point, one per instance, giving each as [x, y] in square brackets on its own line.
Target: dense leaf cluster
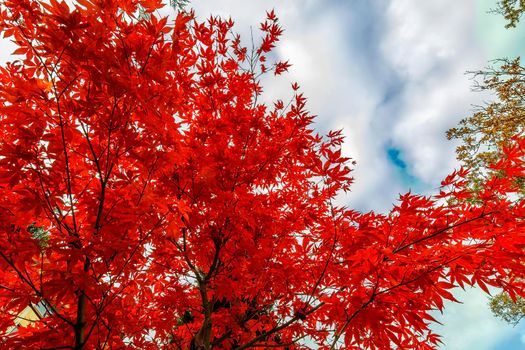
[181, 213]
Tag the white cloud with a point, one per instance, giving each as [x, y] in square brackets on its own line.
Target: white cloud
[431, 46]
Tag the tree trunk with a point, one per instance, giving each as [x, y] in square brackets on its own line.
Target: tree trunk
[202, 340]
[80, 325]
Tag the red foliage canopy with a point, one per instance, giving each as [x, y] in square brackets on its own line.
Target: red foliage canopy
[179, 212]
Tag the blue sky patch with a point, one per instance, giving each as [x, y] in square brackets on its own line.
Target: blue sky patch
[394, 158]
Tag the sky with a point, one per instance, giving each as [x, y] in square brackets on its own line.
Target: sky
[391, 74]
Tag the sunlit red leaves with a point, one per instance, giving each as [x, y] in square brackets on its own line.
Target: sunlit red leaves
[180, 205]
[272, 31]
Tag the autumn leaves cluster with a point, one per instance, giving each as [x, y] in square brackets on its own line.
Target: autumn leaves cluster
[175, 210]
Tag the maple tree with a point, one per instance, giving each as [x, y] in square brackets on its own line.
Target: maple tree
[149, 200]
